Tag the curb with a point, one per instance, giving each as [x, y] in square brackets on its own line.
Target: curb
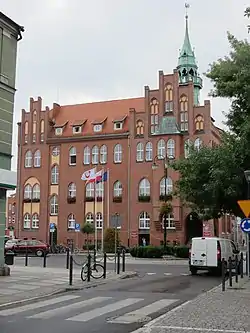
[66, 289]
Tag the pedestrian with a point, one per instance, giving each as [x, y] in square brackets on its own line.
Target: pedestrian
[144, 241]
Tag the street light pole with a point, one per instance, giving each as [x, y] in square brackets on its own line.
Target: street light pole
[247, 176]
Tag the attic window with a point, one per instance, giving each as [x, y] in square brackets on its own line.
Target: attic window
[118, 125]
[98, 128]
[77, 129]
[58, 130]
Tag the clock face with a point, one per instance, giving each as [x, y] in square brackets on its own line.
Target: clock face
[55, 151]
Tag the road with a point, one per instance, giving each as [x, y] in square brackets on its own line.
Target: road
[120, 307]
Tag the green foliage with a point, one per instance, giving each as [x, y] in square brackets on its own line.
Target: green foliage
[109, 240]
[158, 251]
[89, 247]
[87, 228]
[165, 209]
[181, 251]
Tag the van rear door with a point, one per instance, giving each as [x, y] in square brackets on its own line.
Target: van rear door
[199, 252]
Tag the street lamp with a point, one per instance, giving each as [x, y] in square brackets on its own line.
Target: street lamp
[166, 160]
[247, 176]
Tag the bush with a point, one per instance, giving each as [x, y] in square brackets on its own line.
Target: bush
[147, 251]
[182, 251]
[109, 240]
[91, 247]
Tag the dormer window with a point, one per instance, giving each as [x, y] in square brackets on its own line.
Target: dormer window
[98, 128]
[98, 124]
[77, 126]
[118, 123]
[77, 129]
[58, 131]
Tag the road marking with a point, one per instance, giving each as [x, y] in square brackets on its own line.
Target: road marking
[199, 329]
[9, 312]
[86, 316]
[142, 313]
[151, 273]
[185, 274]
[64, 309]
[167, 274]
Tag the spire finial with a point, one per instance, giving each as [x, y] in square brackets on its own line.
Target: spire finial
[187, 5]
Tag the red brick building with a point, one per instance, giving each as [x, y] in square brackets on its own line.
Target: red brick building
[55, 147]
[11, 210]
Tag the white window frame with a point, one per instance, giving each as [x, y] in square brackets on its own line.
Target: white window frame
[161, 149]
[28, 159]
[118, 153]
[35, 221]
[37, 159]
[72, 190]
[86, 155]
[171, 148]
[170, 222]
[187, 145]
[103, 154]
[28, 191]
[117, 189]
[149, 151]
[99, 190]
[97, 128]
[144, 221]
[95, 155]
[169, 106]
[56, 151]
[144, 187]
[198, 144]
[89, 218]
[184, 121]
[26, 221]
[118, 125]
[139, 152]
[55, 175]
[72, 154]
[54, 205]
[71, 221]
[169, 186]
[36, 191]
[77, 129]
[90, 190]
[58, 131]
[99, 220]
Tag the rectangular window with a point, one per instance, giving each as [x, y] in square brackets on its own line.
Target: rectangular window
[118, 126]
[59, 131]
[77, 129]
[97, 128]
[184, 121]
[72, 160]
[169, 106]
[42, 137]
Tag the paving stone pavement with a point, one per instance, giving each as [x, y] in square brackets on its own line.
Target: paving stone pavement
[31, 282]
[214, 311]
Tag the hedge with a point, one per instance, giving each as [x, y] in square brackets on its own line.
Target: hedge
[150, 251]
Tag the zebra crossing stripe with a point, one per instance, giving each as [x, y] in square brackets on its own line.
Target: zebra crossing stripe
[86, 316]
[33, 306]
[140, 314]
[64, 309]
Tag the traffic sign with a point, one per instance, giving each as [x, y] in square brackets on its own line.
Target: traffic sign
[245, 207]
[116, 221]
[77, 227]
[245, 225]
[52, 227]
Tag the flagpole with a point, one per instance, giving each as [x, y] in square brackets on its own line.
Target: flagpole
[103, 219]
[108, 195]
[95, 216]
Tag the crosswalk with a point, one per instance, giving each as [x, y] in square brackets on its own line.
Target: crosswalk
[74, 308]
[167, 274]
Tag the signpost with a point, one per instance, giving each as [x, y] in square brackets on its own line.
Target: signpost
[245, 227]
[52, 227]
[116, 222]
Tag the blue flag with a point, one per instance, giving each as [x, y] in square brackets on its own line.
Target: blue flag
[104, 178]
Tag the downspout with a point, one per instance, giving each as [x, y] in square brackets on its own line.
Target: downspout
[129, 180]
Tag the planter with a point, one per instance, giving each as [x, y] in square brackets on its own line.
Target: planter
[99, 199]
[71, 200]
[144, 198]
[36, 200]
[26, 200]
[117, 199]
[169, 197]
[89, 199]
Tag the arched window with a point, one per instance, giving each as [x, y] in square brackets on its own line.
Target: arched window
[55, 175]
[117, 189]
[99, 221]
[118, 153]
[26, 221]
[95, 155]
[149, 151]
[184, 103]
[28, 159]
[56, 151]
[187, 145]
[170, 222]
[89, 218]
[89, 190]
[26, 131]
[35, 221]
[34, 132]
[37, 159]
[28, 192]
[144, 220]
[169, 185]
[171, 148]
[139, 152]
[139, 128]
[198, 144]
[86, 155]
[161, 149]
[168, 98]
[42, 130]
[103, 154]
[154, 115]
[72, 190]
[72, 156]
[36, 192]
[144, 187]
[199, 123]
[99, 188]
[184, 113]
[71, 222]
[54, 205]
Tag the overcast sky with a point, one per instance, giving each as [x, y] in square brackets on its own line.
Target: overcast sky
[77, 51]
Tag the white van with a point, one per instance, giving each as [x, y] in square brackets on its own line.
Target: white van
[206, 253]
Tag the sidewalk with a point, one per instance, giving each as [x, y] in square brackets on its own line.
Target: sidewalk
[214, 311]
[26, 283]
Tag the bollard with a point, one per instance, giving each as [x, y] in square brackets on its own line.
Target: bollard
[118, 261]
[26, 256]
[44, 259]
[105, 264]
[89, 268]
[123, 260]
[70, 270]
[223, 274]
[236, 268]
[67, 258]
[247, 273]
[230, 271]
[94, 255]
[241, 265]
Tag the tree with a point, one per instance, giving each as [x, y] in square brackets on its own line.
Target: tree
[109, 240]
[88, 229]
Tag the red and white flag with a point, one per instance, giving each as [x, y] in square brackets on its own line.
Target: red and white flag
[89, 175]
[98, 177]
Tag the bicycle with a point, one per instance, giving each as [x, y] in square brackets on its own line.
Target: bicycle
[96, 271]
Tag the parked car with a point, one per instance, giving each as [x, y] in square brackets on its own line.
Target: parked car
[206, 253]
[22, 246]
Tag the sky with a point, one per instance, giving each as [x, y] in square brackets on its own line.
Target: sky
[78, 51]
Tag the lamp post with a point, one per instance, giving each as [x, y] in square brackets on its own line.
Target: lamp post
[166, 160]
[247, 176]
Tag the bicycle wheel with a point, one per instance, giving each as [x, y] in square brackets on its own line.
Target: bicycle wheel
[84, 272]
[97, 271]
